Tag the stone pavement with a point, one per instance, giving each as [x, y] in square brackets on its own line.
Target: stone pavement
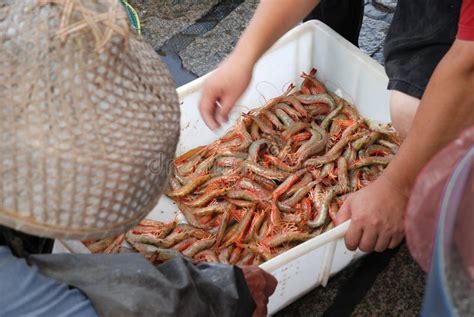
[201, 33]
[193, 37]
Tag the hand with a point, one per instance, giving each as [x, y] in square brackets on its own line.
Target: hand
[225, 86]
[377, 213]
[261, 285]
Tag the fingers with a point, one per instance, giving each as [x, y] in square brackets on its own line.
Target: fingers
[353, 236]
[395, 241]
[215, 108]
[368, 240]
[261, 285]
[260, 311]
[270, 284]
[207, 107]
[383, 242]
[223, 109]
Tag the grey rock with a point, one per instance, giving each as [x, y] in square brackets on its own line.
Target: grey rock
[206, 52]
[387, 5]
[163, 19]
[372, 35]
[374, 13]
[378, 56]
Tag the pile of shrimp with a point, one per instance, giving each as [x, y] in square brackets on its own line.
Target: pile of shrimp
[276, 179]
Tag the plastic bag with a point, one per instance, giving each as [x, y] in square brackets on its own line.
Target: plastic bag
[423, 208]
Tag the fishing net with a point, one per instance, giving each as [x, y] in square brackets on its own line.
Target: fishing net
[89, 116]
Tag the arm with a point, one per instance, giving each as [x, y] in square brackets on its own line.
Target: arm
[447, 107]
[128, 285]
[271, 20]
[26, 292]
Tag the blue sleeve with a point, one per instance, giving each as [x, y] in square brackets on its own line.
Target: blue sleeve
[25, 292]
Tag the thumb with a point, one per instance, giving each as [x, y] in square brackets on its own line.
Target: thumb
[226, 105]
[207, 107]
[344, 213]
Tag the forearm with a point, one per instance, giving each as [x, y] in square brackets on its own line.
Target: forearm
[26, 292]
[447, 108]
[271, 20]
[128, 285]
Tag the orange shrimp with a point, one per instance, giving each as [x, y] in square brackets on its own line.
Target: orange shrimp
[303, 136]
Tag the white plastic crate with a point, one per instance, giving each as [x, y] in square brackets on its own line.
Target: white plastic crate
[345, 70]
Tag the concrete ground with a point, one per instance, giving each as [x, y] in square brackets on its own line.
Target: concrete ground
[192, 37]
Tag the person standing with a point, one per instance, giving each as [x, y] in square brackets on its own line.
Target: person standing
[430, 64]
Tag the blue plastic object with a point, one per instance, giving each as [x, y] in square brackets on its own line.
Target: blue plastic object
[446, 268]
[132, 16]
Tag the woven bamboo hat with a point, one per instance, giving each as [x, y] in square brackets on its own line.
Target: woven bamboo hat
[88, 119]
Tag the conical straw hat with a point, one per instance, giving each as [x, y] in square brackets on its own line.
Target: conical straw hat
[89, 117]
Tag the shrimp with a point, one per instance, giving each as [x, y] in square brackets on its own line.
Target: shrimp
[245, 194]
[305, 180]
[376, 149]
[207, 197]
[367, 139]
[207, 256]
[254, 131]
[260, 170]
[235, 255]
[326, 170]
[245, 135]
[288, 110]
[189, 154]
[350, 154]
[317, 109]
[224, 255]
[186, 243]
[190, 187]
[330, 116]
[205, 166]
[275, 161]
[285, 237]
[287, 121]
[261, 124]
[273, 119]
[246, 183]
[241, 203]
[321, 98]
[316, 144]
[315, 87]
[241, 228]
[256, 224]
[371, 160]
[255, 148]
[322, 205]
[295, 128]
[294, 102]
[300, 193]
[392, 146]
[224, 221]
[198, 246]
[228, 161]
[335, 151]
[211, 209]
